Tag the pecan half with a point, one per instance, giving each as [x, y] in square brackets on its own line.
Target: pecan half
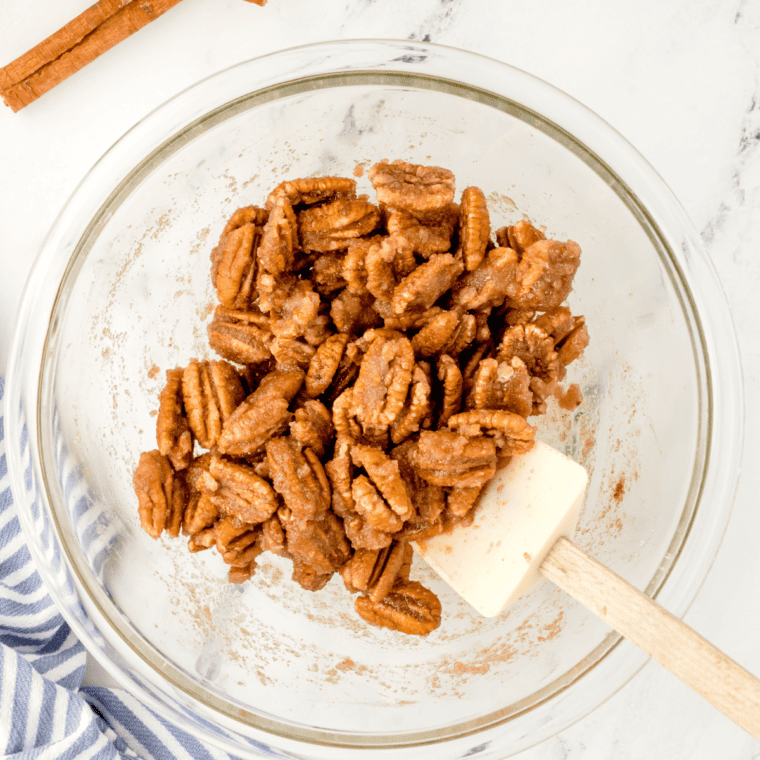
[424, 191]
[234, 267]
[401, 254]
[161, 495]
[320, 544]
[308, 578]
[312, 427]
[436, 334]
[450, 377]
[432, 499]
[344, 422]
[471, 362]
[245, 215]
[373, 508]
[263, 415]
[531, 344]
[200, 514]
[363, 536]
[474, 227]
[240, 336]
[446, 458]
[409, 608]
[229, 247]
[513, 435]
[429, 500]
[273, 537]
[487, 285]
[519, 236]
[352, 313]
[299, 478]
[544, 276]
[237, 542]
[296, 310]
[463, 336]
[279, 240]
[173, 435]
[211, 391]
[425, 238]
[427, 283]
[381, 387]
[319, 329]
[290, 353]
[339, 472]
[346, 373]
[373, 572]
[418, 407]
[378, 266]
[240, 492]
[386, 477]
[449, 332]
[327, 273]
[324, 364]
[501, 385]
[568, 333]
[310, 190]
[354, 265]
[197, 475]
[536, 349]
[331, 226]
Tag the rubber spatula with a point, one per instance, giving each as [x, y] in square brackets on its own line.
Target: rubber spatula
[521, 534]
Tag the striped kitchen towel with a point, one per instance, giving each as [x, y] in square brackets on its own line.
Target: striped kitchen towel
[44, 712]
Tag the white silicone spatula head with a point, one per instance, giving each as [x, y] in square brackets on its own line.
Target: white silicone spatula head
[521, 533]
[530, 503]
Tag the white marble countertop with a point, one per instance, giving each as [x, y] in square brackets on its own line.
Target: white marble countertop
[680, 80]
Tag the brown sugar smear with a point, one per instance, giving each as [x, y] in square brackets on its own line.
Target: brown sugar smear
[371, 381]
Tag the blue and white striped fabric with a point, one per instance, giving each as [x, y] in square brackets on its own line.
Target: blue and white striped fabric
[44, 714]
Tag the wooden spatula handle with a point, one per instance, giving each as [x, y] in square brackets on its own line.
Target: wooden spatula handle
[720, 680]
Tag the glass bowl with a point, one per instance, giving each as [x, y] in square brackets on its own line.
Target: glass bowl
[120, 292]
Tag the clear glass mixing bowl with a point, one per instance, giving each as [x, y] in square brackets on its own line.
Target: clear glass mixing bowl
[121, 290]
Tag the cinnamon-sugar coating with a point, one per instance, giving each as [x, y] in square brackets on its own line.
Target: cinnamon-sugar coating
[388, 356]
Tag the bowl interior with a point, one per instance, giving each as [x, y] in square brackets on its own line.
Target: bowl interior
[136, 301]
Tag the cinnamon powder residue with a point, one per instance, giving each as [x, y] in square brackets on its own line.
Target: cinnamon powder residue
[344, 666]
[349, 664]
[553, 629]
[619, 491]
[480, 669]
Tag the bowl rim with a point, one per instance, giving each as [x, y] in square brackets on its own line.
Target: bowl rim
[723, 380]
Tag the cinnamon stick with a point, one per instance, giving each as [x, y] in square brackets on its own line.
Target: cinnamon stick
[72, 47]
